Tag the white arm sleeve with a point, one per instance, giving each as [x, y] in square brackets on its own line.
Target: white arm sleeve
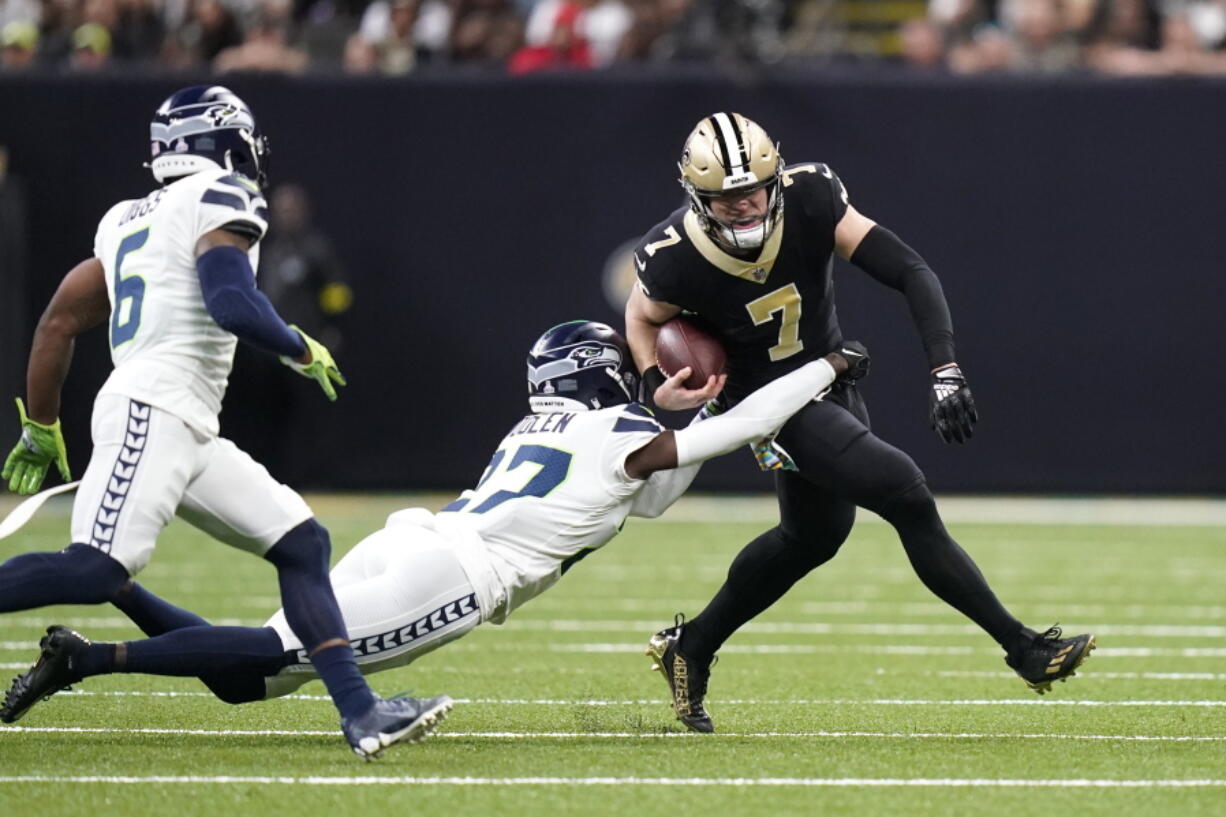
[759, 414]
[662, 489]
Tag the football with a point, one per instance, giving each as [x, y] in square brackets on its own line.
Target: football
[681, 343]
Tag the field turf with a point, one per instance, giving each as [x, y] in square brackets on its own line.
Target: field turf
[859, 693]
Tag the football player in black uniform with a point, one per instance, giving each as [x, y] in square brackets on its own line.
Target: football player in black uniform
[752, 255]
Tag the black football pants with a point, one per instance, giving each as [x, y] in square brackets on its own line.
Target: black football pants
[843, 465]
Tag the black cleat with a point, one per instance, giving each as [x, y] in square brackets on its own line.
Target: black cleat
[392, 720]
[1049, 658]
[687, 679]
[51, 673]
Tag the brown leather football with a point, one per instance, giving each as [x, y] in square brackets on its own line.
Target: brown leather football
[681, 343]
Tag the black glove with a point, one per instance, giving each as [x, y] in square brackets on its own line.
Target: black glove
[951, 408]
[857, 358]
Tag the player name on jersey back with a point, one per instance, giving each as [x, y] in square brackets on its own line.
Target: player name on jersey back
[555, 422]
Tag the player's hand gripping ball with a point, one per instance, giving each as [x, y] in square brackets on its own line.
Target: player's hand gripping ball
[682, 343]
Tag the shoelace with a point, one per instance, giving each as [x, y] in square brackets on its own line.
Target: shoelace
[1053, 634]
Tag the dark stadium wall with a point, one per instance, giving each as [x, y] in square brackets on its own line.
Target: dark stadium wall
[1075, 225]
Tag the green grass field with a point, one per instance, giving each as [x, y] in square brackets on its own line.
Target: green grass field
[859, 693]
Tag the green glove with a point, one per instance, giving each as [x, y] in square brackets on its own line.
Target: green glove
[27, 464]
[322, 367]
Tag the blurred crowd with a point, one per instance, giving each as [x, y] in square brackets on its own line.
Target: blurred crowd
[395, 37]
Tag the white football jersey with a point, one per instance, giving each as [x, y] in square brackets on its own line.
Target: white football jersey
[167, 350]
[555, 490]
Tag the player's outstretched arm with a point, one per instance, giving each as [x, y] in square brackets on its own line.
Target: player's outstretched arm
[885, 257]
[759, 414]
[79, 304]
[227, 283]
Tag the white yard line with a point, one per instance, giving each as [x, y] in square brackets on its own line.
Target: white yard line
[865, 649]
[1098, 676]
[25, 647]
[579, 625]
[631, 735]
[596, 702]
[736, 782]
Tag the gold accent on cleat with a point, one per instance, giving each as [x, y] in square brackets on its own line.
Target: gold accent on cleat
[679, 681]
[1042, 687]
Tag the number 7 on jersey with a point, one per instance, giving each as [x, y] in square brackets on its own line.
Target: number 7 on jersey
[786, 301]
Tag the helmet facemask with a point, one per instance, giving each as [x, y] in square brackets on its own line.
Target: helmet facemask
[728, 235]
[729, 155]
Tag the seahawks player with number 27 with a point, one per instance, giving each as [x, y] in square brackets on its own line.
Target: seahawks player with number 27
[752, 253]
[559, 486]
[175, 274]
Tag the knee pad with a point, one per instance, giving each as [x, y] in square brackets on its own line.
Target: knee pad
[306, 546]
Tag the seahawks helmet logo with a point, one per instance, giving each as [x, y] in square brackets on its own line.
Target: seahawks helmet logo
[573, 359]
[586, 356]
[220, 115]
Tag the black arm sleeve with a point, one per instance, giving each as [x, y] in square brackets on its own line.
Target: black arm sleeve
[884, 256]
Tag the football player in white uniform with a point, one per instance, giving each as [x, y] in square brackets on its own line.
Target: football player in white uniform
[174, 273]
[560, 486]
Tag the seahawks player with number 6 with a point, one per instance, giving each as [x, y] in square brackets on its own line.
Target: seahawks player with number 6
[559, 486]
[752, 254]
[173, 274]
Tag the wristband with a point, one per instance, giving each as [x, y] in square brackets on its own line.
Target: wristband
[653, 379]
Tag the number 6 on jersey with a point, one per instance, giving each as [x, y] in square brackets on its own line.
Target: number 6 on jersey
[129, 292]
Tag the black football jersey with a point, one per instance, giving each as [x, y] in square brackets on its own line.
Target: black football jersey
[774, 313]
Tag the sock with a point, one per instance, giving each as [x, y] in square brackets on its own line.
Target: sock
[231, 661]
[79, 574]
[192, 651]
[1021, 642]
[153, 615]
[344, 680]
[96, 659]
[301, 559]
